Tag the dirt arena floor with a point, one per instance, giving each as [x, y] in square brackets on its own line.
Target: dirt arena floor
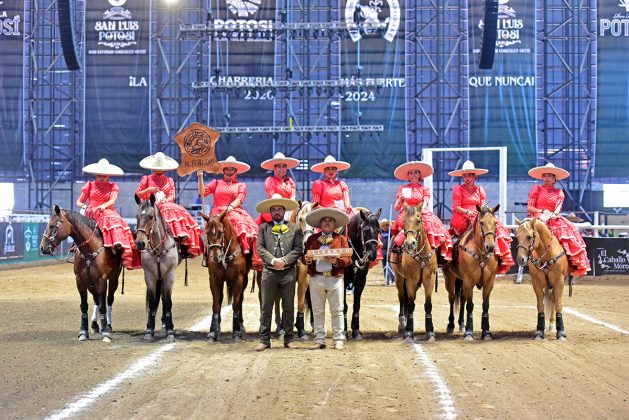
[45, 371]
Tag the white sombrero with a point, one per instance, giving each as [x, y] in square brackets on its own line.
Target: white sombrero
[159, 162]
[468, 168]
[231, 162]
[549, 168]
[401, 172]
[277, 200]
[314, 218]
[279, 159]
[330, 161]
[103, 167]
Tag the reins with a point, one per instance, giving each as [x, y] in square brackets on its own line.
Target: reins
[225, 258]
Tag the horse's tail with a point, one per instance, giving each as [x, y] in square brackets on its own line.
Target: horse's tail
[458, 287]
[549, 305]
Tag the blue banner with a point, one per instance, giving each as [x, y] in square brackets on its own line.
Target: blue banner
[117, 96]
[612, 116]
[11, 85]
[502, 99]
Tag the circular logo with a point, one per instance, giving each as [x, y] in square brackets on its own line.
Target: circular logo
[197, 143]
[117, 3]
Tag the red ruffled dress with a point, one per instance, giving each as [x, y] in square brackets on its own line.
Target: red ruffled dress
[468, 200]
[225, 193]
[438, 235]
[179, 221]
[545, 198]
[114, 229]
[330, 194]
[285, 187]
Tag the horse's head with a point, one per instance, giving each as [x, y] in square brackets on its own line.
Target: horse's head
[367, 233]
[527, 235]
[58, 229]
[215, 235]
[485, 225]
[305, 208]
[146, 217]
[413, 227]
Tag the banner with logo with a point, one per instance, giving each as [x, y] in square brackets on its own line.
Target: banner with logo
[502, 99]
[31, 241]
[376, 46]
[117, 96]
[612, 117]
[245, 56]
[11, 85]
[11, 242]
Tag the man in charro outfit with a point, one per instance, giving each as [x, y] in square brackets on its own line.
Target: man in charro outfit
[280, 245]
[326, 275]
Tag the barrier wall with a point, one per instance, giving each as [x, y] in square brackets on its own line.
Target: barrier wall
[19, 242]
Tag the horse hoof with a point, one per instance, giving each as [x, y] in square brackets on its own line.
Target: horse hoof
[430, 337]
[148, 337]
[83, 336]
[357, 336]
[468, 337]
[212, 336]
[561, 336]
[409, 339]
[94, 327]
[461, 329]
[487, 336]
[305, 337]
[109, 328]
[163, 328]
[539, 336]
[106, 339]
[450, 330]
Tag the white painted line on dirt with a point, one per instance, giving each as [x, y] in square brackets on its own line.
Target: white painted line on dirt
[594, 320]
[132, 372]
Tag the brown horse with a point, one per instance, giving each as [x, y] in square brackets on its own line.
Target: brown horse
[418, 267]
[475, 265]
[96, 267]
[548, 266]
[226, 263]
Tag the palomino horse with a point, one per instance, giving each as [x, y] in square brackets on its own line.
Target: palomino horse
[418, 267]
[548, 266]
[225, 263]
[96, 267]
[159, 262]
[475, 265]
[362, 234]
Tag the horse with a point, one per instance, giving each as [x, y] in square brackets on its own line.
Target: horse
[362, 234]
[418, 267]
[549, 266]
[474, 265]
[225, 263]
[159, 262]
[96, 267]
[303, 281]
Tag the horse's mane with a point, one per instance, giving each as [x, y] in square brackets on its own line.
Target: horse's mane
[77, 218]
[146, 203]
[371, 223]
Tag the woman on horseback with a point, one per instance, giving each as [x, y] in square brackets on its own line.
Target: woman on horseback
[413, 194]
[280, 183]
[97, 201]
[544, 203]
[465, 198]
[229, 194]
[330, 192]
[181, 224]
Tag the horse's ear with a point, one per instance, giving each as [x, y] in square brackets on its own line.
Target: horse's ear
[405, 207]
[57, 210]
[362, 215]
[300, 204]
[223, 214]
[518, 221]
[495, 209]
[315, 205]
[152, 199]
[420, 207]
[137, 199]
[206, 217]
[378, 213]
[479, 208]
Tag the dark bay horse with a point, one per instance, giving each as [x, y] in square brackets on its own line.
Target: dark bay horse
[548, 265]
[475, 265]
[418, 267]
[160, 259]
[226, 263]
[362, 234]
[96, 268]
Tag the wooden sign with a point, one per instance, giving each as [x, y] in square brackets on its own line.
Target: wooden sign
[319, 254]
[197, 149]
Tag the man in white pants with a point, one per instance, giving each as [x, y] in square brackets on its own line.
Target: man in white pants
[326, 274]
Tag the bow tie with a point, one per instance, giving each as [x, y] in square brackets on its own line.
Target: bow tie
[279, 229]
[325, 239]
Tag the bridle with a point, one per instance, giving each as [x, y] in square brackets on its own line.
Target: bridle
[88, 257]
[483, 256]
[417, 254]
[537, 262]
[362, 261]
[223, 257]
[155, 250]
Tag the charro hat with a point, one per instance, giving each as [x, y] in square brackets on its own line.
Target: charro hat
[103, 167]
[384, 222]
[277, 200]
[468, 168]
[278, 159]
[314, 218]
[401, 172]
[549, 168]
[231, 162]
[159, 162]
[330, 161]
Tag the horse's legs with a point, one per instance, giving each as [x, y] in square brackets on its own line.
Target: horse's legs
[237, 289]
[349, 277]
[167, 303]
[401, 295]
[538, 287]
[83, 331]
[484, 323]
[105, 330]
[458, 291]
[467, 294]
[429, 284]
[94, 326]
[360, 280]
[302, 286]
[449, 280]
[411, 292]
[152, 300]
[216, 287]
[111, 291]
[558, 306]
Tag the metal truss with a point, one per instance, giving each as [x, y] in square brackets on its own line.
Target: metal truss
[566, 99]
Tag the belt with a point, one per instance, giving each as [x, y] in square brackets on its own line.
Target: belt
[325, 274]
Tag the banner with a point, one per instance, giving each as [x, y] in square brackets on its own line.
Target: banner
[11, 243]
[611, 256]
[11, 84]
[246, 58]
[376, 46]
[612, 118]
[502, 99]
[31, 241]
[117, 96]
